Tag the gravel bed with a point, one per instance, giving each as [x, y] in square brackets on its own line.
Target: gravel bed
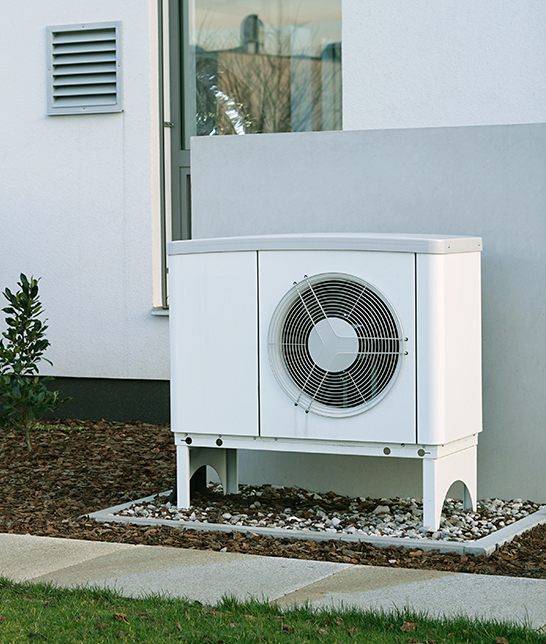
[272, 506]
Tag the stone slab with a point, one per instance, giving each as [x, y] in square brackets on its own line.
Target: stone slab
[25, 557]
[205, 576]
[437, 593]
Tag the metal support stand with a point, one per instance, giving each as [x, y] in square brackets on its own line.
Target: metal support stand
[443, 465]
[439, 474]
[190, 459]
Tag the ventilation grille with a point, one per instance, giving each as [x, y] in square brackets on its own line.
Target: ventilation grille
[335, 344]
[85, 68]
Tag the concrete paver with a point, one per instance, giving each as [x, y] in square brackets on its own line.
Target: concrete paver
[207, 576]
[24, 556]
[437, 593]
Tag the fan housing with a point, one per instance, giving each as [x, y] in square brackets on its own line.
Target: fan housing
[335, 344]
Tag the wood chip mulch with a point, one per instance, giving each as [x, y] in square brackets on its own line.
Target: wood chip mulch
[71, 472]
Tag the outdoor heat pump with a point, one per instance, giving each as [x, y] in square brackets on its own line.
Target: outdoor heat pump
[361, 344]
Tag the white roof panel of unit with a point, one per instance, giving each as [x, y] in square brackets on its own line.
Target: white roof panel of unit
[401, 243]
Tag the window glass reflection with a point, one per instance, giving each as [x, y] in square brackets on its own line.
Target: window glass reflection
[263, 66]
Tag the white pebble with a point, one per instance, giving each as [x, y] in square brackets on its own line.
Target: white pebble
[393, 517]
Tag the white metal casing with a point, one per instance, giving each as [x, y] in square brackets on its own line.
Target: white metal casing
[223, 293]
[214, 343]
[391, 420]
[449, 377]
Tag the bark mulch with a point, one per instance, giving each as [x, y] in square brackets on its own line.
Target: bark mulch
[74, 471]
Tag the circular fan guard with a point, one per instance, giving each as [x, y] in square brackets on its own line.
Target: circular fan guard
[337, 301]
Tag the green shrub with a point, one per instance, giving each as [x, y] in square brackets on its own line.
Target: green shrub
[23, 394]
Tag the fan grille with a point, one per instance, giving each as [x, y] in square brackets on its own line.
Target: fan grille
[353, 329]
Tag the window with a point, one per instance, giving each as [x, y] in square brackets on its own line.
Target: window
[257, 66]
[246, 67]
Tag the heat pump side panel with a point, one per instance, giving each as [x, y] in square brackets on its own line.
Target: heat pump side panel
[449, 382]
[393, 418]
[214, 339]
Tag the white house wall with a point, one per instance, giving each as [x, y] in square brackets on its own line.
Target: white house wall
[79, 195]
[438, 63]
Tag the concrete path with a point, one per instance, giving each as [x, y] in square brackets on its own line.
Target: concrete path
[207, 576]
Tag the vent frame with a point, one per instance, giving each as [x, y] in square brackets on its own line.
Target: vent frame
[91, 53]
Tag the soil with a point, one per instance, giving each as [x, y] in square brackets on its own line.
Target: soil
[94, 465]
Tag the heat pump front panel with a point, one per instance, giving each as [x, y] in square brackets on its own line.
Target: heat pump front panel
[392, 276]
[214, 343]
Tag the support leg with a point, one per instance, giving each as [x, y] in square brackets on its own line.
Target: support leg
[231, 482]
[183, 476]
[439, 475]
[190, 459]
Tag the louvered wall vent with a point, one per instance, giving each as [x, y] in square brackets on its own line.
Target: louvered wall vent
[84, 68]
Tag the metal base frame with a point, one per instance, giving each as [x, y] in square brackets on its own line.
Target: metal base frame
[443, 465]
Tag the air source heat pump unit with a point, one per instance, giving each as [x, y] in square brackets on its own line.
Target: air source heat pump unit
[361, 344]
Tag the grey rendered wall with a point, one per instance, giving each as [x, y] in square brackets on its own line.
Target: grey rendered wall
[488, 181]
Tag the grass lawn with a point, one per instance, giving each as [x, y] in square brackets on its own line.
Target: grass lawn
[43, 613]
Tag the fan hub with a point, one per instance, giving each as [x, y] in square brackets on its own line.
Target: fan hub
[333, 344]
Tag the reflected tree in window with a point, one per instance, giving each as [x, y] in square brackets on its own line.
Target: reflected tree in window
[281, 76]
